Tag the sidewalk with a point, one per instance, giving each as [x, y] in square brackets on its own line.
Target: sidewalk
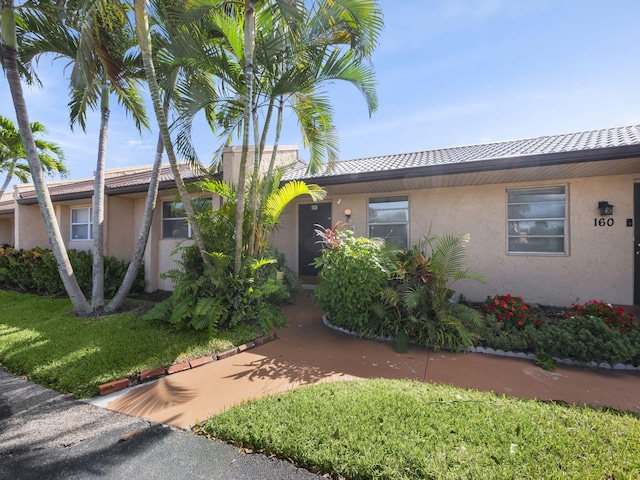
[307, 352]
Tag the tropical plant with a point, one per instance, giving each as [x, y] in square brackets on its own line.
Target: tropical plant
[98, 41]
[293, 50]
[12, 70]
[354, 270]
[145, 44]
[13, 154]
[418, 304]
[214, 296]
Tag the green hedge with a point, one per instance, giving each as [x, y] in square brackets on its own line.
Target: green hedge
[36, 270]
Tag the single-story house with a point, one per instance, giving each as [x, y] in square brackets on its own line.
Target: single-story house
[21, 222]
[554, 219]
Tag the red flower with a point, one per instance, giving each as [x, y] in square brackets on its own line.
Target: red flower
[520, 323]
[537, 320]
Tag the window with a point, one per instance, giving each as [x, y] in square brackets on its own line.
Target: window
[174, 218]
[82, 223]
[537, 220]
[389, 219]
[174, 221]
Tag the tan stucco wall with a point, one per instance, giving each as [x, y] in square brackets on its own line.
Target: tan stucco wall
[6, 231]
[158, 255]
[286, 155]
[120, 227]
[30, 231]
[599, 264]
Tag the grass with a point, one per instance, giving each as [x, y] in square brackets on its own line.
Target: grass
[390, 429]
[42, 340]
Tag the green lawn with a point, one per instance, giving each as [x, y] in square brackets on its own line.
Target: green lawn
[42, 340]
[389, 429]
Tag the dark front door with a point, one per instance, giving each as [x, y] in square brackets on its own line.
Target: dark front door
[636, 243]
[308, 217]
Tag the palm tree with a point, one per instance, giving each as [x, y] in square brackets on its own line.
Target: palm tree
[97, 41]
[13, 154]
[145, 44]
[11, 67]
[297, 50]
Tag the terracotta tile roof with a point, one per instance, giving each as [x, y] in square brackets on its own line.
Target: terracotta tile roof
[553, 146]
[122, 180]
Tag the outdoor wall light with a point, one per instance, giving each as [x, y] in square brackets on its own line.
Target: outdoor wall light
[605, 208]
[347, 213]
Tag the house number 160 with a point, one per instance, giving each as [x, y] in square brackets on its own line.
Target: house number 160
[601, 222]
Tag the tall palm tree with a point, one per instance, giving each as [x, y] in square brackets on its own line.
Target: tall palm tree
[13, 154]
[145, 44]
[11, 67]
[98, 42]
[297, 51]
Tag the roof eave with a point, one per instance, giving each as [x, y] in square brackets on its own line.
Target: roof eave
[488, 165]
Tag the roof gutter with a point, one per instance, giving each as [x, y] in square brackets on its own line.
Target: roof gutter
[479, 166]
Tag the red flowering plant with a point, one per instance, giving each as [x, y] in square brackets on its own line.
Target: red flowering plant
[510, 324]
[615, 317]
[510, 310]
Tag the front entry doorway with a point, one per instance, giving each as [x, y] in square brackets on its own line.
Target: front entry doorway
[309, 216]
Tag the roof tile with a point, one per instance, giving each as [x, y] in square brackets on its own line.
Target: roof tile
[571, 142]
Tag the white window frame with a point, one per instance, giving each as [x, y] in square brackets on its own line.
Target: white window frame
[88, 224]
[389, 199]
[513, 219]
[171, 204]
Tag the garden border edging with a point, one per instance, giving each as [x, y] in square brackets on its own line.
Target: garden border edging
[152, 374]
[502, 353]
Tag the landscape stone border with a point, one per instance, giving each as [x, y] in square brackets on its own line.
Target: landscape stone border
[152, 374]
[502, 353]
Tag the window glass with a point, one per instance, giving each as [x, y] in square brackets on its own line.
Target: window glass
[537, 220]
[174, 218]
[81, 224]
[389, 219]
[174, 221]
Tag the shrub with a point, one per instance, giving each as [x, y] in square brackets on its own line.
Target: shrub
[216, 298]
[417, 303]
[597, 332]
[614, 318]
[374, 290]
[354, 271]
[36, 270]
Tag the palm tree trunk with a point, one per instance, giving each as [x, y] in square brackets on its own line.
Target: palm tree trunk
[7, 180]
[144, 41]
[97, 292]
[267, 178]
[10, 62]
[143, 237]
[255, 180]
[249, 41]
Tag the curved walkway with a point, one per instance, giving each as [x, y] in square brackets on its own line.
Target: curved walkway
[307, 352]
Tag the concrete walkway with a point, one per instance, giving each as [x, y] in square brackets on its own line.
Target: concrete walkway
[307, 352]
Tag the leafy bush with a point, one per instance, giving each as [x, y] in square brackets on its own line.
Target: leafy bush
[214, 297]
[354, 270]
[417, 303]
[36, 270]
[597, 331]
[614, 318]
[374, 290]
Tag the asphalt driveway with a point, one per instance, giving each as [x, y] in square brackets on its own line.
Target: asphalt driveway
[45, 435]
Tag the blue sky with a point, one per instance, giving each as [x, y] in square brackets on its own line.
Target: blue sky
[449, 73]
